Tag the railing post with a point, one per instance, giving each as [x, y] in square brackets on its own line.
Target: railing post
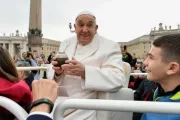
[13, 108]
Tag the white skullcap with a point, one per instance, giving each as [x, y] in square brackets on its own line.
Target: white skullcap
[85, 13]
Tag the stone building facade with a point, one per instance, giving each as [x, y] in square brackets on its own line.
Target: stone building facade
[17, 44]
[141, 45]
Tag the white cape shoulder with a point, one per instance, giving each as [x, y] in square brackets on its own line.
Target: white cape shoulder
[64, 44]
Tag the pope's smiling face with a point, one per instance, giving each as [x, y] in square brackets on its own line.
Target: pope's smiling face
[85, 28]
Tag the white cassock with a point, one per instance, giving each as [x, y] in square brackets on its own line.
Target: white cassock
[103, 72]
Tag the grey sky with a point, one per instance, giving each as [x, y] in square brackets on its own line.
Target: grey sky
[119, 20]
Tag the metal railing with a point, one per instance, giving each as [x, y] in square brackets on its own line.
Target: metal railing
[45, 68]
[13, 107]
[116, 105]
[32, 68]
[145, 74]
[110, 105]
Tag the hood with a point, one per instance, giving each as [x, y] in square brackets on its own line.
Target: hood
[18, 92]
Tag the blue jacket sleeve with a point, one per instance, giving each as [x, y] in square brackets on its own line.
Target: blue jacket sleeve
[39, 116]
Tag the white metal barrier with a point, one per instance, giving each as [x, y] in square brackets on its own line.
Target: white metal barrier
[45, 68]
[116, 105]
[13, 107]
[32, 68]
[139, 74]
[105, 105]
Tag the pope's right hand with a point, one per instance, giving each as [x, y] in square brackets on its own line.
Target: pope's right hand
[58, 70]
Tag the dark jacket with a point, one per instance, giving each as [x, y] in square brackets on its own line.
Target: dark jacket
[38, 117]
[161, 96]
[133, 62]
[134, 83]
[127, 58]
[144, 92]
[29, 80]
[49, 58]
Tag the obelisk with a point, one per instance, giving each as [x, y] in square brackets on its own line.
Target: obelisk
[35, 27]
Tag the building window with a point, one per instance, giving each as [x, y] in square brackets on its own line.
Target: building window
[1, 44]
[150, 45]
[42, 48]
[144, 46]
[7, 46]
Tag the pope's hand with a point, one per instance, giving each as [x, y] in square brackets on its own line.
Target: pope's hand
[74, 67]
[58, 70]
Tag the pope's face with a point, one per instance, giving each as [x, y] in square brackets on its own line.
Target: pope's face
[85, 29]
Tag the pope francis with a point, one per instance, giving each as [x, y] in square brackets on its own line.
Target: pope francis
[94, 66]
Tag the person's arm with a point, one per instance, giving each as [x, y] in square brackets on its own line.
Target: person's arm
[108, 77]
[43, 89]
[51, 75]
[33, 63]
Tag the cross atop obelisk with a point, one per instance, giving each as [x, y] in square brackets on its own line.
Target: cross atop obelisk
[35, 27]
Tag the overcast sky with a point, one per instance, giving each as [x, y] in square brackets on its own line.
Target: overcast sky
[119, 20]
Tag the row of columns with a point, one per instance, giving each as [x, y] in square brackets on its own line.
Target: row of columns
[12, 50]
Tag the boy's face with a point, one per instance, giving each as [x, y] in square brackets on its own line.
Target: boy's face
[156, 68]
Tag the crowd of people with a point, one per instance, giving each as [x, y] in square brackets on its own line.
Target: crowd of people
[95, 64]
[31, 59]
